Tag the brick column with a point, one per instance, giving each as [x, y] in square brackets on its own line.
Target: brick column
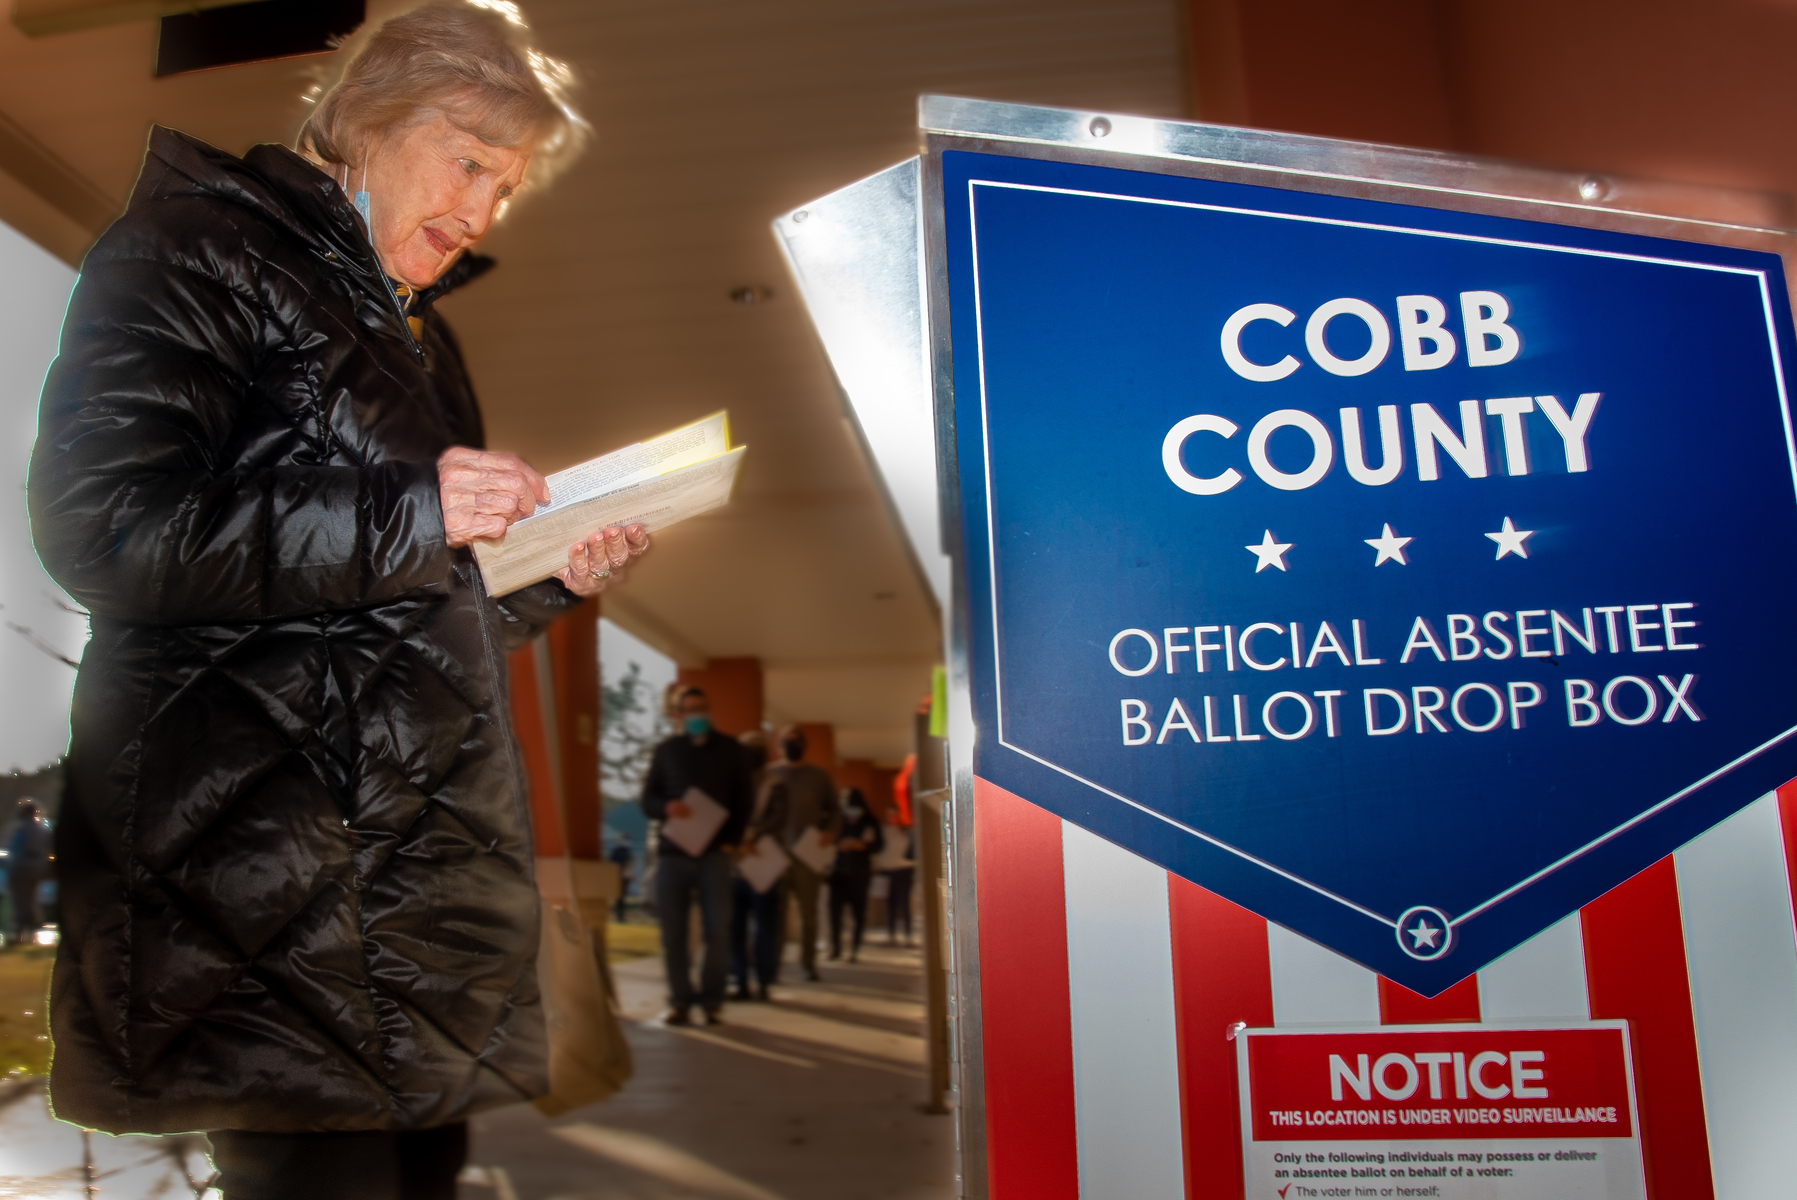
[733, 685]
[820, 745]
[574, 655]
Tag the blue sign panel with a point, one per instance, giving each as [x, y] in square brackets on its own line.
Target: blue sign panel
[1408, 577]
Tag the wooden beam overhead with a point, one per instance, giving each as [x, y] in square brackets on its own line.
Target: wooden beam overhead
[40, 18]
[54, 181]
[27, 213]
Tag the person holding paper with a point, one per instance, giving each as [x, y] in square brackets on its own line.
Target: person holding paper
[756, 909]
[900, 879]
[698, 770]
[812, 817]
[295, 852]
[898, 890]
[859, 840]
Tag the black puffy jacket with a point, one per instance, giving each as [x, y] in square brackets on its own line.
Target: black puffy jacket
[295, 856]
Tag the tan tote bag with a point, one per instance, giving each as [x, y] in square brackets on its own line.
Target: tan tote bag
[588, 1056]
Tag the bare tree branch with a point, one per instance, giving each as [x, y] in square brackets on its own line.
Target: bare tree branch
[41, 644]
[68, 608]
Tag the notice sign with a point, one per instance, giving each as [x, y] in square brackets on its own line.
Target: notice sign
[1456, 1111]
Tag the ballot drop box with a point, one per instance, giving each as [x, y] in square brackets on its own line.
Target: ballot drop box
[1373, 662]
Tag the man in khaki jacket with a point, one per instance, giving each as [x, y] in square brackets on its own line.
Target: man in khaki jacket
[810, 803]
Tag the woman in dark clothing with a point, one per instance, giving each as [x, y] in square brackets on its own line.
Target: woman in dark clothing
[898, 890]
[860, 839]
[295, 858]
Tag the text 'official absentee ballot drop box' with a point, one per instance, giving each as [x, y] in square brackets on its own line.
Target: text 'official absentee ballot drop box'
[1372, 625]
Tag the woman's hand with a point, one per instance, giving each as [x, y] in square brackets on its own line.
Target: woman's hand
[601, 559]
[483, 492]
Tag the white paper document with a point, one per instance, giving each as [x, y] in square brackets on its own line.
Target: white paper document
[763, 865]
[693, 832]
[654, 483]
[892, 851]
[811, 850]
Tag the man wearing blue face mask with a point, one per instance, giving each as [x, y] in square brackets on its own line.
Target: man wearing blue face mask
[712, 762]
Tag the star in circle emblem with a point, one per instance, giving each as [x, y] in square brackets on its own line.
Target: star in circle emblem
[1424, 933]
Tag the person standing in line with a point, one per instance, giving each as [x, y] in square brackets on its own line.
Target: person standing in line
[898, 888]
[697, 757]
[857, 843]
[810, 804]
[755, 916]
[625, 858]
[900, 879]
[28, 861]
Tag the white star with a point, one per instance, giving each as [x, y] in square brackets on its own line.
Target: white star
[1509, 540]
[1424, 934]
[1390, 547]
[1269, 552]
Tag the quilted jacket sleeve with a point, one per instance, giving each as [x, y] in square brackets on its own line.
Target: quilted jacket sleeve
[137, 507]
[528, 611]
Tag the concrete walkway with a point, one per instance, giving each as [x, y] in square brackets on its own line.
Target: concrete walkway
[816, 1096]
[44, 1159]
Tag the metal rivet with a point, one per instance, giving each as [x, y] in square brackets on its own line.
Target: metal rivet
[1593, 189]
[799, 217]
[1100, 127]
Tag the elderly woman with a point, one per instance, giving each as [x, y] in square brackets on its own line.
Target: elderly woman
[295, 855]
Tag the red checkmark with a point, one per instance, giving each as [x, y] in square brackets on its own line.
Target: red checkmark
[1282, 1191]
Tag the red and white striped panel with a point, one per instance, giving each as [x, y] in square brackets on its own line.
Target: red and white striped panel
[1108, 987]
